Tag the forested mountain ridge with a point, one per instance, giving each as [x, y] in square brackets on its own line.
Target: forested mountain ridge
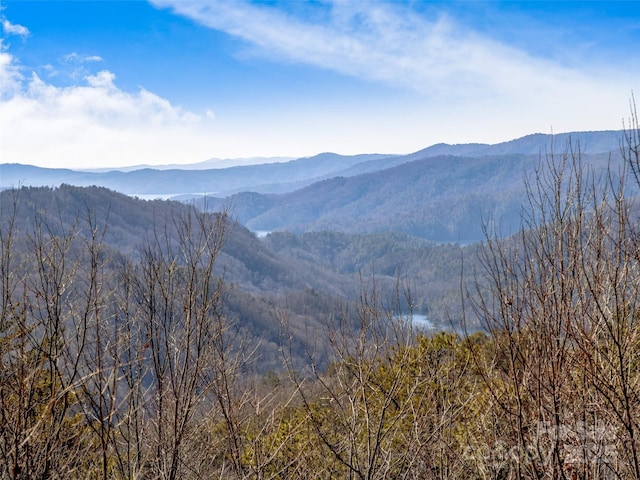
[433, 272]
[129, 223]
[283, 177]
[442, 198]
[260, 284]
[442, 193]
[265, 277]
[328, 262]
[537, 144]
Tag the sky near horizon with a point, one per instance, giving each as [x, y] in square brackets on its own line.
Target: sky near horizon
[92, 84]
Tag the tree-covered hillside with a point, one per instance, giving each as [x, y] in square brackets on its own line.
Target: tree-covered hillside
[130, 366]
[265, 277]
[433, 271]
[441, 199]
[180, 345]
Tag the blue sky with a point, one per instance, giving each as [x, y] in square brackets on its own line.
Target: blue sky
[87, 84]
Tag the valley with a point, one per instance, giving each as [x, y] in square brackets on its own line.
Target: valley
[394, 299]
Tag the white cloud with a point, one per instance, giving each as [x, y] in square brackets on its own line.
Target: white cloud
[469, 88]
[10, 76]
[50, 70]
[392, 43]
[74, 57]
[14, 29]
[94, 124]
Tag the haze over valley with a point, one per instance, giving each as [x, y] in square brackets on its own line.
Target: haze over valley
[441, 193]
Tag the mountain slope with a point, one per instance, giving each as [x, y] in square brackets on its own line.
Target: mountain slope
[442, 198]
[262, 285]
[537, 144]
[305, 279]
[128, 222]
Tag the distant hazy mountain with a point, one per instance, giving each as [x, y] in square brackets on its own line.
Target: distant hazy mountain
[206, 165]
[535, 144]
[441, 193]
[278, 177]
[219, 177]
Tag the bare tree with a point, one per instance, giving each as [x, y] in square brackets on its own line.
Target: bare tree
[386, 405]
[561, 307]
[180, 301]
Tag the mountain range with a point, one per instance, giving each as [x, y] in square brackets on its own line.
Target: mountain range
[442, 193]
[335, 222]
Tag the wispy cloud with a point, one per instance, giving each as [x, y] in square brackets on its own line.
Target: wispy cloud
[395, 44]
[74, 57]
[76, 66]
[14, 29]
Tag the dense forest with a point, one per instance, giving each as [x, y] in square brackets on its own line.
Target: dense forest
[137, 359]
